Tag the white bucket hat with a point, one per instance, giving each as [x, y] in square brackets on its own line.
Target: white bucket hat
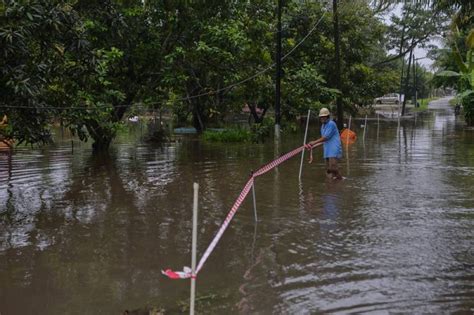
[324, 112]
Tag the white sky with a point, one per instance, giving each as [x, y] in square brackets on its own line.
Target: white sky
[419, 52]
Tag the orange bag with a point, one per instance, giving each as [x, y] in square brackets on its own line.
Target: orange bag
[348, 136]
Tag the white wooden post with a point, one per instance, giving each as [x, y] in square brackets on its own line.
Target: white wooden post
[254, 201]
[378, 125]
[347, 134]
[194, 245]
[304, 142]
[365, 127]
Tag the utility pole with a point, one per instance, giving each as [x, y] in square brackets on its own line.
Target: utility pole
[414, 81]
[278, 73]
[401, 85]
[407, 80]
[340, 112]
[402, 41]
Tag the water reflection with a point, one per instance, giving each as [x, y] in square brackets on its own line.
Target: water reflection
[90, 234]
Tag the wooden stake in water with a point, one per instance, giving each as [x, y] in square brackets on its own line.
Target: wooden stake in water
[399, 114]
[378, 125]
[254, 201]
[193, 249]
[348, 127]
[365, 127]
[304, 142]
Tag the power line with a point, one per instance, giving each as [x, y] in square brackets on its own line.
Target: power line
[231, 86]
[258, 73]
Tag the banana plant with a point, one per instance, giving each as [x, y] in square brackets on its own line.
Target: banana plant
[466, 69]
[466, 77]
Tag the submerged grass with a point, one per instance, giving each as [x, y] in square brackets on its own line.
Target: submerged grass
[455, 100]
[228, 135]
[424, 103]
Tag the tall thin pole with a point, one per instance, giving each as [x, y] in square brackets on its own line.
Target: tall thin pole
[401, 75]
[378, 125]
[194, 246]
[401, 91]
[337, 57]
[347, 133]
[254, 201]
[348, 127]
[278, 72]
[365, 127]
[406, 82]
[304, 141]
[402, 41]
[414, 80]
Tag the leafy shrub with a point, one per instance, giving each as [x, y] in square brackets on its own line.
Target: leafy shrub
[262, 130]
[468, 106]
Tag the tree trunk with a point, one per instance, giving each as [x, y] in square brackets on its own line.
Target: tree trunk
[197, 117]
[402, 41]
[406, 83]
[253, 111]
[102, 137]
[101, 145]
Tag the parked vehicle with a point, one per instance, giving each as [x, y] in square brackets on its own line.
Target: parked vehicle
[392, 98]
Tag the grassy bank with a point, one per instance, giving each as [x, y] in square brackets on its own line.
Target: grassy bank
[454, 101]
[424, 103]
[228, 135]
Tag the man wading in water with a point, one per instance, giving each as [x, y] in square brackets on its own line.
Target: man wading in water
[331, 144]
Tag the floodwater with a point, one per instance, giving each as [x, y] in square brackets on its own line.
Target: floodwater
[89, 235]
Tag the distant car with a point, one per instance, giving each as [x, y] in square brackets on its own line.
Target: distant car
[392, 98]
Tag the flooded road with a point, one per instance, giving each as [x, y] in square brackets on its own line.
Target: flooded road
[89, 235]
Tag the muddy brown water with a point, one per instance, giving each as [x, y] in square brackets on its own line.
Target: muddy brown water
[89, 235]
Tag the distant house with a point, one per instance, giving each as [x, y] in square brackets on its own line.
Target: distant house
[246, 110]
[5, 143]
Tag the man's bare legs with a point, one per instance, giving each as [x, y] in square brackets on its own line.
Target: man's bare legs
[332, 171]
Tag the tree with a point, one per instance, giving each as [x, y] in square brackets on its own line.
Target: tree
[35, 37]
[87, 63]
[362, 42]
[465, 77]
[459, 42]
[414, 28]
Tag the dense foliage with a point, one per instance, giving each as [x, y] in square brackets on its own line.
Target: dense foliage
[87, 63]
[456, 58]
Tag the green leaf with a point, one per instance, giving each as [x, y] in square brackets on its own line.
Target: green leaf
[470, 39]
[448, 73]
[459, 61]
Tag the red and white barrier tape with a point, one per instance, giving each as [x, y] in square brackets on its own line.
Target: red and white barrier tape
[187, 273]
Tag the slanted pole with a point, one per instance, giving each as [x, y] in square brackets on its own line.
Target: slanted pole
[304, 142]
[365, 127]
[378, 125]
[349, 128]
[193, 253]
[254, 201]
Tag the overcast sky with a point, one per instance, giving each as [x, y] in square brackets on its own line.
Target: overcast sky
[419, 52]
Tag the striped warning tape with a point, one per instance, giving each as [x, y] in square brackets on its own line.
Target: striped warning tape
[187, 273]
